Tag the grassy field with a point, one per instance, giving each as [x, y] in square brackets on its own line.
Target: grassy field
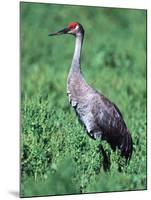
[57, 156]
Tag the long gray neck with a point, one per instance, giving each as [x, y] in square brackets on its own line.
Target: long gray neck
[75, 66]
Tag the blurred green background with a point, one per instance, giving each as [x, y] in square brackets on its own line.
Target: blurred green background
[57, 156]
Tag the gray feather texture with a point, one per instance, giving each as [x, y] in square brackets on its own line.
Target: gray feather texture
[101, 118]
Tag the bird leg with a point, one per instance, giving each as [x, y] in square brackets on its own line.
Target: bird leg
[106, 158]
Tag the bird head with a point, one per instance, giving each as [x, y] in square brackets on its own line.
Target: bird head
[73, 28]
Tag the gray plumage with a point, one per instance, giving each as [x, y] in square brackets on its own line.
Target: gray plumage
[100, 117]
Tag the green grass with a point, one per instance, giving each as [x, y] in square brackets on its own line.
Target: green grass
[57, 156]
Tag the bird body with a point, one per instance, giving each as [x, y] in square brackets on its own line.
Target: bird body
[101, 118]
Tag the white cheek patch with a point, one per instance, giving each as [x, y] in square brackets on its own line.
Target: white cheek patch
[77, 27]
[74, 30]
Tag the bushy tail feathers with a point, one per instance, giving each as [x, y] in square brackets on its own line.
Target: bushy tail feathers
[126, 145]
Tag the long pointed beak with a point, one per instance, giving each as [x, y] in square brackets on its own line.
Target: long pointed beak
[63, 31]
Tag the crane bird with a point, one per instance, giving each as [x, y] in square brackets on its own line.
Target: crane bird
[101, 118]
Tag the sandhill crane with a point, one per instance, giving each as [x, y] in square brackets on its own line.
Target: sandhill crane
[101, 118]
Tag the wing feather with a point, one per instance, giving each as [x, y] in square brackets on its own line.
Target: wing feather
[112, 124]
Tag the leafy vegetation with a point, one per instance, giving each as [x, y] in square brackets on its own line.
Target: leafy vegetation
[57, 156]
